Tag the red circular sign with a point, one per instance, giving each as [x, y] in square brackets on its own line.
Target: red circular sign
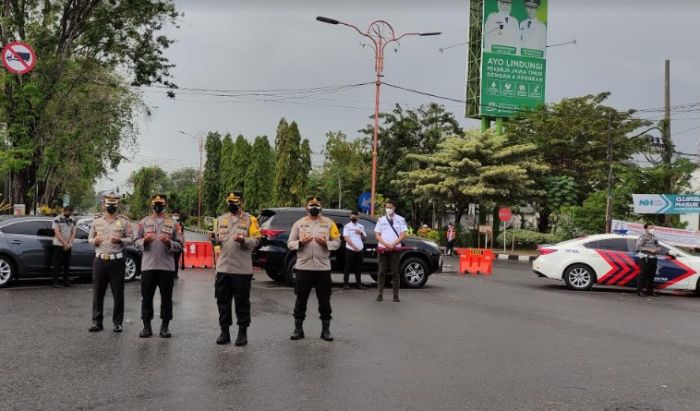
[18, 57]
[504, 214]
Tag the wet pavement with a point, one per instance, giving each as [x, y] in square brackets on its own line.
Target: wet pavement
[507, 342]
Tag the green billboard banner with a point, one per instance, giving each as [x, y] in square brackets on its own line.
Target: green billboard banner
[513, 59]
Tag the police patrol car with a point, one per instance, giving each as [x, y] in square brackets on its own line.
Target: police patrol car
[611, 260]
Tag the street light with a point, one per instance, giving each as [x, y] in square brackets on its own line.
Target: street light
[380, 33]
[200, 139]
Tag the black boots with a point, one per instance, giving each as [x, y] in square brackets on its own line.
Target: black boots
[242, 338]
[326, 331]
[380, 297]
[298, 333]
[147, 330]
[396, 299]
[224, 337]
[96, 327]
[164, 333]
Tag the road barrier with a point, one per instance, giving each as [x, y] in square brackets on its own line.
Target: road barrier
[475, 261]
[199, 254]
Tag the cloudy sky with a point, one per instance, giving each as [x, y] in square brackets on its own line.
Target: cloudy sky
[277, 44]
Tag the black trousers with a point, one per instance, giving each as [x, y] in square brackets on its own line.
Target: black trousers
[388, 265]
[236, 288]
[321, 281]
[645, 279]
[163, 280]
[60, 261]
[104, 273]
[451, 247]
[177, 256]
[353, 264]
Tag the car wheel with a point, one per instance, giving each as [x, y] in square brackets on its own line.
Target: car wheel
[130, 268]
[290, 275]
[579, 277]
[414, 273]
[275, 275]
[7, 271]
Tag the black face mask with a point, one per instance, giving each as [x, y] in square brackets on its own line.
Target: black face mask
[232, 207]
[159, 208]
[354, 220]
[111, 209]
[314, 211]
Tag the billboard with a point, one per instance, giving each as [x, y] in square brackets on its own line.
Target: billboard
[666, 203]
[513, 42]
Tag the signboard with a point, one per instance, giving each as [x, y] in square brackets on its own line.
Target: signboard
[485, 229]
[666, 203]
[504, 214]
[671, 236]
[18, 57]
[513, 57]
[364, 201]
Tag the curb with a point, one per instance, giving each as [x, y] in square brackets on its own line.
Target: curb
[515, 257]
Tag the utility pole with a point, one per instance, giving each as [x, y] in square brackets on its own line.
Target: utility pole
[380, 33]
[199, 137]
[609, 201]
[667, 152]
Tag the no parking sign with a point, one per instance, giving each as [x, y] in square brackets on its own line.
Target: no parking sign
[18, 57]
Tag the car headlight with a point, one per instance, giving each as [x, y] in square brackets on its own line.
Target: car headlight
[432, 244]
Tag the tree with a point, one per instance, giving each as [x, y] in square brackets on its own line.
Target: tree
[475, 167]
[211, 186]
[228, 177]
[74, 93]
[242, 152]
[145, 182]
[406, 132]
[260, 175]
[292, 164]
[184, 194]
[346, 170]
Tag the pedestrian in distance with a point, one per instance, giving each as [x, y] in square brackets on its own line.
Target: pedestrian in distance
[64, 229]
[110, 233]
[451, 237]
[390, 231]
[354, 234]
[179, 255]
[158, 239]
[648, 250]
[313, 238]
[237, 233]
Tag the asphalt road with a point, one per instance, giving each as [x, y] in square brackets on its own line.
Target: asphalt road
[507, 342]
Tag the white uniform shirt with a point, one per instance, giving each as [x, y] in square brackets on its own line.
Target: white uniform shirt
[355, 238]
[534, 35]
[503, 30]
[384, 228]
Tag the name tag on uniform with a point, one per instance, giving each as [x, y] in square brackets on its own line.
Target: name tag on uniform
[149, 228]
[167, 229]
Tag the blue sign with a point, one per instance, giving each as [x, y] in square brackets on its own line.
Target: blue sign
[666, 203]
[364, 202]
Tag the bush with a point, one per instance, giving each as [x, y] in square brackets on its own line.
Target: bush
[526, 239]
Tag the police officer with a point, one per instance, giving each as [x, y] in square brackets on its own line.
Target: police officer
[64, 234]
[647, 249]
[390, 231]
[238, 234]
[354, 234]
[532, 31]
[158, 238]
[110, 233]
[313, 238]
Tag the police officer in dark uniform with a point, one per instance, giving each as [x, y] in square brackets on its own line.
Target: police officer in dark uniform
[238, 233]
[110, 233]
[647, 249]
[158, 238]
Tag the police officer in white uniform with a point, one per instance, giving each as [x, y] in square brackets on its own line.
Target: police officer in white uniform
[533, 32]
[501, 28]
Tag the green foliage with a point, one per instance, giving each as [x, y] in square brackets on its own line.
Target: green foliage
[405, 132]
[260, 175]
[292, 166]
[526, 239]
[211, 190]
[183, 195]
[228, 177]
[70, 118]
[561, 191]
[145, 181]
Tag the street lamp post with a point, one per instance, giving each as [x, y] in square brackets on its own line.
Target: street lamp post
[200, 140]
[380, 33]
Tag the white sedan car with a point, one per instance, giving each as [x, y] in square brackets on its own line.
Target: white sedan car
[611, 259]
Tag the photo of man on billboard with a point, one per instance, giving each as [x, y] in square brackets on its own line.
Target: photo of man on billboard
[533, 32]
[502, 29]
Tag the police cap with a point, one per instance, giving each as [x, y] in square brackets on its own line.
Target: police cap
[235, 197]
[313, 201]
[533, 3]
[159, 199]
[111, 198]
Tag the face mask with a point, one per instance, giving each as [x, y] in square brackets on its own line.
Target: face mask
[176, 218]
[314, 211]
[233, 208]
[159, 208]
[389, 211]
[111, 209]
[354, 220]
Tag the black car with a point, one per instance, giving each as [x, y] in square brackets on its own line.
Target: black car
[26, 245]
[421, 259]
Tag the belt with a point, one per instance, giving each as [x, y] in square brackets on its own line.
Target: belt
[109, 256]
